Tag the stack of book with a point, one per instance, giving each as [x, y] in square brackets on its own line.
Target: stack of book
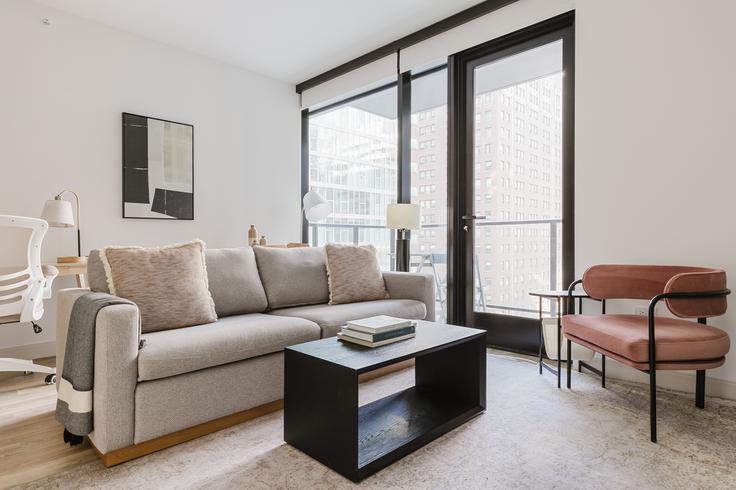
[377, 330]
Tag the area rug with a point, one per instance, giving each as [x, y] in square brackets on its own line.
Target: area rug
[532, 435]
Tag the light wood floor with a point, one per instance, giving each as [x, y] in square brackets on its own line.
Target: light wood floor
[31, 444]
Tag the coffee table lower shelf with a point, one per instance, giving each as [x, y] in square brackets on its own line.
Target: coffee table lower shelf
[402, 422]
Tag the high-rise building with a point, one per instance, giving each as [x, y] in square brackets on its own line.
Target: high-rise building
[517, 184]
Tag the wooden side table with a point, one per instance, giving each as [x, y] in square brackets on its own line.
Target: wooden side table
[77, 269]
[560, 299]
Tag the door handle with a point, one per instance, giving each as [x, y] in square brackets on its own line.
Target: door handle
[473, 217]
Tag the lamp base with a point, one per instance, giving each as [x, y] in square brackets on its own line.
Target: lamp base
[70, 260]
[402, 255]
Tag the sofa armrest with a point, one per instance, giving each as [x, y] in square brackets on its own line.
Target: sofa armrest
[117, 340]
[117, 337]
[412, 285]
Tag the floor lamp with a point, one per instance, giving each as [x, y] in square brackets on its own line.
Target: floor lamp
[402, 218]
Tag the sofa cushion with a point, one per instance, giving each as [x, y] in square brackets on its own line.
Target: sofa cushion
[628, 337]
[293, 276]
[353, 274]
[234, 281]
[230, 339]
[331, 318]
[96, 277]
[169, 283]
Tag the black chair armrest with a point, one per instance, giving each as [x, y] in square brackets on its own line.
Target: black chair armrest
[570, 302]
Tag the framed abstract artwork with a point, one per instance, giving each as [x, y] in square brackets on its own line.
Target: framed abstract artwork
[158, 168]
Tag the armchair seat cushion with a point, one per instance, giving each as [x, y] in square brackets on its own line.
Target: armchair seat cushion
[331, 318]
[627, 337]
[234, 338]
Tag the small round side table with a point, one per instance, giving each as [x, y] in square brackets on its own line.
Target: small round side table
[558, 299]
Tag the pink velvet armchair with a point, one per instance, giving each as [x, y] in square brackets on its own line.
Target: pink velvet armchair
[650, 343]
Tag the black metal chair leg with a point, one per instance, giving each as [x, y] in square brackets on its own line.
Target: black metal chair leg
[603, 371]
[700, 388]
[541, 339]
[653, 403]
[559, 347]
[569, 362]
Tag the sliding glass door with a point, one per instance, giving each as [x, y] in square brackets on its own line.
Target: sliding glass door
[484, 146]
[515, 224]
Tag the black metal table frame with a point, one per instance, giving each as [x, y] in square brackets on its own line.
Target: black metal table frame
[558, 297]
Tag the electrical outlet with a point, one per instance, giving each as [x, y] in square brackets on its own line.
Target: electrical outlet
[640, 310]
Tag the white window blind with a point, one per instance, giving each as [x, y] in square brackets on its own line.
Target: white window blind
[498, 23]
[354, 82]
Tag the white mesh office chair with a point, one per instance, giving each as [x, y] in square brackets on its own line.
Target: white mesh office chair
[22, 291]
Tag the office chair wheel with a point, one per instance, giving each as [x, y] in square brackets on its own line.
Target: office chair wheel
[50, 379]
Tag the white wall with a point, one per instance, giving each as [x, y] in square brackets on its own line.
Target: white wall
[62, 91]
[655, 168]
[655, 159]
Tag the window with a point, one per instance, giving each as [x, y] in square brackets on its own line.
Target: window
[353, 164]
[429, 93]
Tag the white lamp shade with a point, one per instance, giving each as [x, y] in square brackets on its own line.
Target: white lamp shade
[403, 216]
[58, 213]
[315, 207]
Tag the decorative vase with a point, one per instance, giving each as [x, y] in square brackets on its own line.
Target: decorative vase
[252, 235]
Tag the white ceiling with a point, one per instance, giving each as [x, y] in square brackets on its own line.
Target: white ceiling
[290, 40]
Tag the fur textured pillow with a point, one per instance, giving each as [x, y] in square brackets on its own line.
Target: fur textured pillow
[353, 274]
[169, 284]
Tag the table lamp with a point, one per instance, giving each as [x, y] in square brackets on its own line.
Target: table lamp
[316, 208]
[59, 214]
[402, 217]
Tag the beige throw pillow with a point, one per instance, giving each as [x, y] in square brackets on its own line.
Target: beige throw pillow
[353, 274]
[169, 284]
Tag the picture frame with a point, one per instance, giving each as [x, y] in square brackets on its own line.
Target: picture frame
[158, 168]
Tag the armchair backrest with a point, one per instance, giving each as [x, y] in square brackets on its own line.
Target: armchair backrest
[21, 291]
[609, 281]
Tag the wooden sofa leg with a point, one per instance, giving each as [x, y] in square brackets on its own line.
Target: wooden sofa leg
[700, 388]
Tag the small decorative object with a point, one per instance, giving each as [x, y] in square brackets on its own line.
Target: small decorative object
[315, 207]
[59, 214]
[158, 168]
[252, 235]
[262, 241]
[402, 217]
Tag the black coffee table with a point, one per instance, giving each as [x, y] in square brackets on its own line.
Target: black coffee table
[321, 413]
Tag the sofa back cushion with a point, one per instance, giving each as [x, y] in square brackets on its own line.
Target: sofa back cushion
[293, 276]
[169, 284]
[96, 277]
[232, 275]
[234, 281]
[354, 274]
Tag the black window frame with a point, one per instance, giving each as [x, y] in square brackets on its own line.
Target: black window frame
[455, 147]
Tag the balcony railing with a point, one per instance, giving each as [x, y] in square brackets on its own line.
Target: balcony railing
[428, 259]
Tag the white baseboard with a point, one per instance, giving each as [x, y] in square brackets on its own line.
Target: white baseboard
[30, 351]
[673, 380]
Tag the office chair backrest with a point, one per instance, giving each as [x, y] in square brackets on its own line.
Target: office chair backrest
[21, 292]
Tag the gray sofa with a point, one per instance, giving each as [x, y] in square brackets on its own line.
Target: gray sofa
[266, 299]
